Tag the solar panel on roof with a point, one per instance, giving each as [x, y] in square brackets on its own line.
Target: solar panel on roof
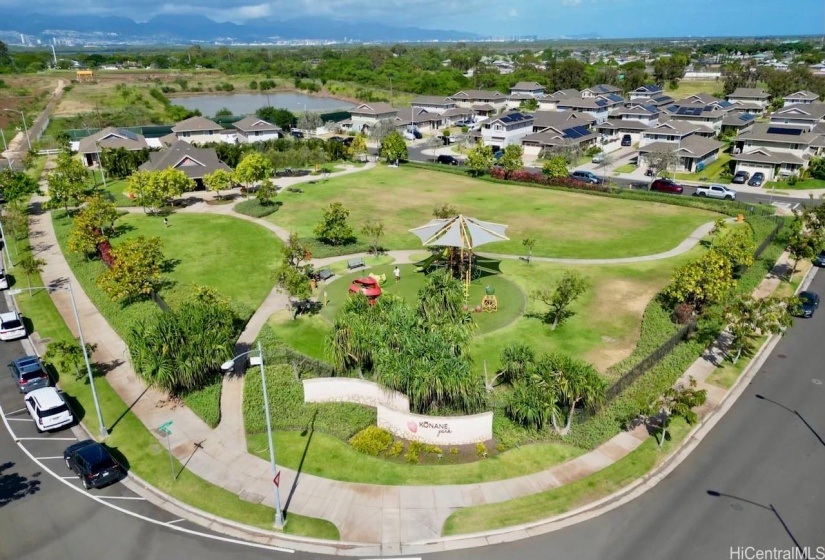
[614, 97]
[127, 134]
[601, 102]
[787, 131]
[747, 117]
[576, 132]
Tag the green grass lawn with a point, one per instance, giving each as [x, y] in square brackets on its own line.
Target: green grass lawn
[140, 450]
[329, 457]
[711, 173]
[234, 256]
[564, 224]
[800, 185]
[568, 497]
[115, 189]
[626, 168]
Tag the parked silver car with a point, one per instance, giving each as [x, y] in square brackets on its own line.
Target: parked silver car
[29, 374]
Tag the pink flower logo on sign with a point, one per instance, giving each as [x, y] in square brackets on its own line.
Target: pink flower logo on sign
[412, 426]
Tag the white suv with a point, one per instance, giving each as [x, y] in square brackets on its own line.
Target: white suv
[48, 409]
[11, 326]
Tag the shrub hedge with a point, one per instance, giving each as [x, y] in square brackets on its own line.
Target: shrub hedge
[372, 440]
[321, 250]
[254, 208]
[206, 401]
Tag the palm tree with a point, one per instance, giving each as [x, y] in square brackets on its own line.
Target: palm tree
[515, 359]
[577, 382]
[30, 265]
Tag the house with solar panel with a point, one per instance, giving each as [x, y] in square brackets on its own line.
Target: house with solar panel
[559, 129]
[803, 97]
[673, 131]
[777, 150]
[645, 92]
[737, 122]
[505, 129]
[626, 121]
[600, 89]
[807, 115]
[749, 100]
[700, 108]
[111, 138]
[598, 107]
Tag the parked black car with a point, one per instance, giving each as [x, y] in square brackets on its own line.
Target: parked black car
[757, 179]
[809, 301]
[93, 464]
[741, 177]
[296, 133]
[627, 140]
[820, 258]
[446, 159]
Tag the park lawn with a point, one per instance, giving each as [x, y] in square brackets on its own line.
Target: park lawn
[564, 224]
[116, 189]
[690, 87]
[565, 498]
[234, 256]
[329, 457]
[139, 450]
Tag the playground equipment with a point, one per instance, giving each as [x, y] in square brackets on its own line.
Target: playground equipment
[489, 303]
[460, 235]
[367, 286]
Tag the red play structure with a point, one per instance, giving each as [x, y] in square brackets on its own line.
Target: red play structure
[367, 286]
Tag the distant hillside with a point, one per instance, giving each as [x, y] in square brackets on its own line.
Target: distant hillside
[197, 29]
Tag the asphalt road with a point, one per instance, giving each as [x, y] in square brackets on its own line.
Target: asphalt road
[416, 154]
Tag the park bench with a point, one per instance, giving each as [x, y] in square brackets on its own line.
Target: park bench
[325, 274]
[355, 263]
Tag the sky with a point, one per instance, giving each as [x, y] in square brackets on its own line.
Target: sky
[544, 18]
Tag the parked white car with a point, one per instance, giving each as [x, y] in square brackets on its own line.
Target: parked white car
[4, 280]
[598, 158]
[48, 409]
[11, 326]
[716, 191]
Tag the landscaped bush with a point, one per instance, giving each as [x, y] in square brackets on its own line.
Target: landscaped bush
[321, 250]
[206, 402]
[372, 440]
[286, 401]
[254, 208]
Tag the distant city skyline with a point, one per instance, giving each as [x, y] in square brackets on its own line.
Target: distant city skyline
[501, 18]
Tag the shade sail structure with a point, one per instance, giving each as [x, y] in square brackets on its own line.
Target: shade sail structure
[460, 231]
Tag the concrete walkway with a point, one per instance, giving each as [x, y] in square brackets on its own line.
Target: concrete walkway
[363, 513]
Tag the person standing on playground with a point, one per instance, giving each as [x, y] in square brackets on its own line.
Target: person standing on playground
[397, 273]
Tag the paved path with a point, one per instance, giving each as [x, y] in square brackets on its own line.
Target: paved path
[362, 512]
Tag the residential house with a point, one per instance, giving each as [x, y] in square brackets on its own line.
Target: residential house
[421, 119]
[673, 131]
[365, 116]
[645, 92]
[749, 100]
[194, 162]
[458, 114]
[558, 130]
[433, 103]
[626, 121]
[252, 129]
[693, 152]
[518, 100]
[550, 102]
[506, 129]
[737, 122]
[481, 101]
[599, 90]
[197, 130]
[533, 89]
[111, 138]
[803, 97]
[775, 149]
[598, 107]
[701, 109]
[806, 115]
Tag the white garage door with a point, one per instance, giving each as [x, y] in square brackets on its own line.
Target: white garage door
[752, 168]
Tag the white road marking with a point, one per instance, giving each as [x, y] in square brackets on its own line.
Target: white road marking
[45, 458]
[174, 521]
[65, 481]
[44, 438]
[68, 477]
[121, 497]
[19, 410]
[20, 419]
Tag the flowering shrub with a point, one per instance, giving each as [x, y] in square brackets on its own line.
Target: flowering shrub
[104, 249]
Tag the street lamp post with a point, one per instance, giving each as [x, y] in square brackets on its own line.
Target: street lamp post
[103, 432]
[229, 365]
[25, 128]
[100, 163]
[5, 244]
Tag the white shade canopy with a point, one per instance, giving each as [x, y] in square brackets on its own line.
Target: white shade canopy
[460, 231]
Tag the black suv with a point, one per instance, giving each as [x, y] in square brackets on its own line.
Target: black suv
[447, 159]
[93, 464]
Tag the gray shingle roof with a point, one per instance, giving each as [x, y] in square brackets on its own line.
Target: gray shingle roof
[373, 109]
[112, 138]
[478, 95]
[807, 111]
[693, 146]
[529, 86]
[196, 124]
[251, 124]
[748, 93]
[560, 119]
[195, 162]
[763, 155]
[801, 95]
[782, 133]
[432, 100]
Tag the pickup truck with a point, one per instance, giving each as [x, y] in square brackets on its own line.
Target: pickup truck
[716, 191]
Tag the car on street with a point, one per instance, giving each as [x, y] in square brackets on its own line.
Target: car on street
[93, 463]
[820, 258]
[715, 191]
[29, 374]
[11, 326]
[48, 409]
[296, 133]
[4, 280]
[741, 177]
[757, 179]
[586, 176]
[627, 140]
[666, 186]
[447, 159]
[808, 303]
[598, 158]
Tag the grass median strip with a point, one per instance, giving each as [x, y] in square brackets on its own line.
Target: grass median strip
[569, 497]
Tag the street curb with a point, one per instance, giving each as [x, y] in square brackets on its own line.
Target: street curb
[629, 492]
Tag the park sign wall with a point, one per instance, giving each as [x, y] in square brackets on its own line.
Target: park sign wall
[393, 411]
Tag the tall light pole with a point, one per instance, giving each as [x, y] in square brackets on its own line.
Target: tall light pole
[5, 244]
[228, 366]
[103, 432]
[3, 136]
[100, 163]
[25, 128]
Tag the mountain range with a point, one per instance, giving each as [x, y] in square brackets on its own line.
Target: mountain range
[177, 29]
